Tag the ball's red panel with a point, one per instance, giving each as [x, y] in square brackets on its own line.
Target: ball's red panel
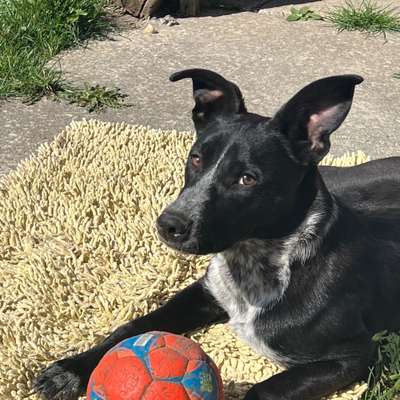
[193, 396]
[99, 375]
[167, 363]
[127, 379]
[160, 342]
[160, 390]
[185, 346]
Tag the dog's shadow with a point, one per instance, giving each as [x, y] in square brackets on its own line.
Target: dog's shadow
[236, 390]
[217, 8]
[256, 6]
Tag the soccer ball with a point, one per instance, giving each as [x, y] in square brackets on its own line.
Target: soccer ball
[155, 366]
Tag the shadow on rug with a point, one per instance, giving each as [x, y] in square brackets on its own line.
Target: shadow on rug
[80, 256]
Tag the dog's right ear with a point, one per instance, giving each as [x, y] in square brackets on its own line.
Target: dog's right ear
[214, 96]
[311, 115]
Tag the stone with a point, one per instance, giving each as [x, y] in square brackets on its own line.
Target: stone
[149, 28]
[170, 20]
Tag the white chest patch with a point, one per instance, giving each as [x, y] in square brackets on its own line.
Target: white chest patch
[242, 310]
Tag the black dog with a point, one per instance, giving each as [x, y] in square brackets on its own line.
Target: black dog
[305, 276]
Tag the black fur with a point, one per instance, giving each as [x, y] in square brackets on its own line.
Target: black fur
[322, 245]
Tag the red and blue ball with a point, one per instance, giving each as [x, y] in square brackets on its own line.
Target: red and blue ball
[155, 366]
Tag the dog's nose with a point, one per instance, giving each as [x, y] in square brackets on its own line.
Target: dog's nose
[173, 226]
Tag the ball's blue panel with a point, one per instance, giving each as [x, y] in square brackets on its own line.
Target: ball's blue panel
[202, 382]
[141, 345]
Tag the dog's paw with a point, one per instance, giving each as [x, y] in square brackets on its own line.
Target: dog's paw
[63, 380]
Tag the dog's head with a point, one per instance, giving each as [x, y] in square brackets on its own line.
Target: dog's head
[249, 176]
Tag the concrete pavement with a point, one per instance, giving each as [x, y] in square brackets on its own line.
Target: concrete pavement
[267, 56]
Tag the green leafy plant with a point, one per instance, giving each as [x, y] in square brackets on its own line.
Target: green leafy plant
[384, 377]
[365, 16]
[303, 14]
[94, 98]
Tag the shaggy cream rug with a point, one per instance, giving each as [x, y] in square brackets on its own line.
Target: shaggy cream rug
[79, 255]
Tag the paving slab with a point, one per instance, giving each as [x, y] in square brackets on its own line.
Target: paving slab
[267, 56]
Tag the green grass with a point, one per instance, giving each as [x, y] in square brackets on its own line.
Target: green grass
[32, 32]
[365, 16]
[384, 378]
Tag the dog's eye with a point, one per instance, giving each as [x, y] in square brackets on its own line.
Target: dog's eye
[196, 160]
[247, 180]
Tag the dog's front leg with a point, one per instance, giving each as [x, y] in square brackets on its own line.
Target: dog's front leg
[309, 381]
[192, 308]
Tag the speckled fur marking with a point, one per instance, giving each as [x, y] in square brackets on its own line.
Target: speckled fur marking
[254, 274]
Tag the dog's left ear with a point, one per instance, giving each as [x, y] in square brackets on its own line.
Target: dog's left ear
[214, 96]
[316, 111]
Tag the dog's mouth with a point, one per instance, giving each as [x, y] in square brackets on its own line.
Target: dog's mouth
[189, 246]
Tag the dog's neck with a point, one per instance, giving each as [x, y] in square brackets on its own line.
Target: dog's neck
[260, 266]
